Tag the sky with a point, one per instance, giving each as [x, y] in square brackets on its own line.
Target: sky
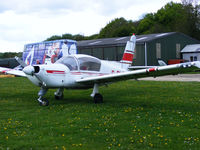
[29, 21]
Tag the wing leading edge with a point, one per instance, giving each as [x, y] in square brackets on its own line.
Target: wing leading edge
[12, 71]
[150, 72]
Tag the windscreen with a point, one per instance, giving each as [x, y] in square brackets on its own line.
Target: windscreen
[70, 62]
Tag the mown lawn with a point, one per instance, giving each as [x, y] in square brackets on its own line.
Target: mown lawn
[134, 115]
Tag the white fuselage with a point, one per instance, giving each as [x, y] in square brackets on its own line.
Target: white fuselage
[60, 76]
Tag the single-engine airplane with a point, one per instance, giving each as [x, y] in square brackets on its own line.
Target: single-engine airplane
[83, 71]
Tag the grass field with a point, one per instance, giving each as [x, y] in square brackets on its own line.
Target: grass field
[134, 115]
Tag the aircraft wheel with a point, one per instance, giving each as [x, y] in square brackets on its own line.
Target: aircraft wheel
[98, 98]
[59, 97]
[44, 102]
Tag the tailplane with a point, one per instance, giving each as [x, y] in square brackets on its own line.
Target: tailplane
[129, 52]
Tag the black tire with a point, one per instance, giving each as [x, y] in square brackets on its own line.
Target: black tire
[59, 97]
[44, 102]
[98, 98]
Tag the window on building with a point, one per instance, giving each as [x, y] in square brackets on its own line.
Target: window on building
[158, 50]
[178, 50]
[191, 58]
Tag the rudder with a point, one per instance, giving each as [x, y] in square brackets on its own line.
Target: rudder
[129, 51]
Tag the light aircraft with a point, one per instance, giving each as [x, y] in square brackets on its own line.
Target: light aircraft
[83, 71]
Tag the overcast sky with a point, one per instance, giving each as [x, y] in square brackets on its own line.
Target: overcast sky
[29, 21]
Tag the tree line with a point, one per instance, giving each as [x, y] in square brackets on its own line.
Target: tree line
[10, 54]
[173, 17]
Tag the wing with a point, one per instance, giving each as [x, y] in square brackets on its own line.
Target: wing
[153, 72]
[12, 71]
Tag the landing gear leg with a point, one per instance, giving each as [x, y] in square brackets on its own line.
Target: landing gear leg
[98, 98]
[42, 101]
[59, 94]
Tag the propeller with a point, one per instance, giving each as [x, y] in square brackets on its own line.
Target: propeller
[20, 62]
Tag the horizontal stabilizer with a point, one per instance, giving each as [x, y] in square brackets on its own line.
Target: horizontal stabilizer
[160, 62]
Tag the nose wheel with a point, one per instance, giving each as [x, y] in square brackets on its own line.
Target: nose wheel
[43, 101]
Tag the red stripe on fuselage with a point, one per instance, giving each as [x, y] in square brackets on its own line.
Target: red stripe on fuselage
[55, 72]
[88, 73]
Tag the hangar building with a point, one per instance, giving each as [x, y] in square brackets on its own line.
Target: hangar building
[8, 62]
[191, 52]
[149, 48]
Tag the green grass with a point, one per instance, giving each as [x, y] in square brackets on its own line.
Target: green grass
[134, 115]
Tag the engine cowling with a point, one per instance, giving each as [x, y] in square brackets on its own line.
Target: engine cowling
[29, 70]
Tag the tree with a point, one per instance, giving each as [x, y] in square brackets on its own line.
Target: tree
[173, 17]
[54, 37]
[117, 28]
[67, 36]
[10, 54]
[146, 24]
[193, 17]
[92, 37]
[166, 19]
[188, 2]
[78, 37]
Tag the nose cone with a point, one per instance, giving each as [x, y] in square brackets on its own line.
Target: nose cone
[29, 70]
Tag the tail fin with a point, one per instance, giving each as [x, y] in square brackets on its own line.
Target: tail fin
[129, 51]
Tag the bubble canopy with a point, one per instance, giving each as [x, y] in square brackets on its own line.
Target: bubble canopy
[82, 63]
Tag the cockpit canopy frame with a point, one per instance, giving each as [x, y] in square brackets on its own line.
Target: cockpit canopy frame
[84, 63]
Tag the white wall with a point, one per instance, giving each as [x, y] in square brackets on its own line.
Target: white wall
[187, 56]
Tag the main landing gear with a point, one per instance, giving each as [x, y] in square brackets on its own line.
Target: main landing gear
[59, 94]
[43, 101]
[98, 98]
